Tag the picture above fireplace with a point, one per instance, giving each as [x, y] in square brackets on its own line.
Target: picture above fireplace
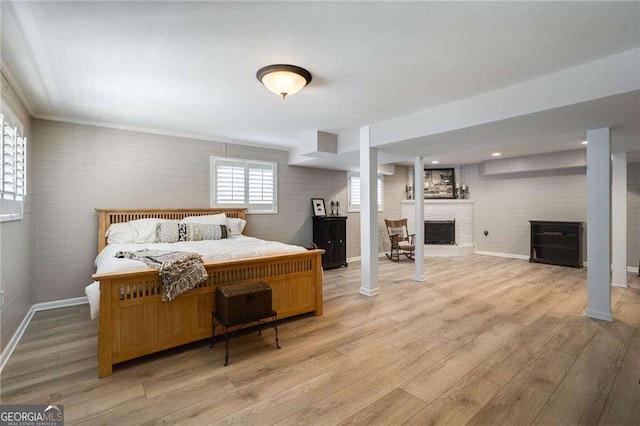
[439, 183]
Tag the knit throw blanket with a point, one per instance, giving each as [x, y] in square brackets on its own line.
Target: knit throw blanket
[180, 271]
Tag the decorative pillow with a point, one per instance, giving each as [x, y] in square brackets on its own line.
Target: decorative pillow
[212, 232]
[173, 232]
[212, 219]
[169, 232]
[121, 233]
[235, 226]
[145, 229]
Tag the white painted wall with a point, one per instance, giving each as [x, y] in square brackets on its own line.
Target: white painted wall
[633, 214]
[84, 167]
[393, 195]
[16, 262]
[504, 204]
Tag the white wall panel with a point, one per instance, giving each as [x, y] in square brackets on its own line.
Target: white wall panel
[16, 237]
[504, 204]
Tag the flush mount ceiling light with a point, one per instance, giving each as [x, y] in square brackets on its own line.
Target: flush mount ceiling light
[496, 154]
[584, 142]
[284, 80]
[435, 162]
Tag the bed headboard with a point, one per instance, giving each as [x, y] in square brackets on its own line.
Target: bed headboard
[108, 216]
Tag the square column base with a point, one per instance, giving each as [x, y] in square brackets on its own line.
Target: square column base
[369, 291]
[603, 316]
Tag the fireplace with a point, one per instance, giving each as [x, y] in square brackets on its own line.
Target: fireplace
[440, 232]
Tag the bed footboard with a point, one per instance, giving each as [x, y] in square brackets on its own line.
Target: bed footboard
[134, 321]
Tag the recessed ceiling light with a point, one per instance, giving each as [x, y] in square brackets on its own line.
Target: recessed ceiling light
[496, 154]
[435, 162]
[585, 142]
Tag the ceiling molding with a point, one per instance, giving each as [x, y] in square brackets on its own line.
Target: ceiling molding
[9, 11]
[153, 131]
[8, 74]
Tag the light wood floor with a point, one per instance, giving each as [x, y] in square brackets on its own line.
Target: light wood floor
[482, 341]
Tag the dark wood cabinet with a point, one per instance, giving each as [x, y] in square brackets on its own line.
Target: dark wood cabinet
[556, 243]
[330, 234]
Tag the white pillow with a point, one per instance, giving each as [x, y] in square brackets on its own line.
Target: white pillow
[145, 229]
[93, 295]
[121, 233]
[235, 226]
[210, 219]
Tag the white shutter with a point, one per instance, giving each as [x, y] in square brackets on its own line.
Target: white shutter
[244, 183]
[354, 192]
[354, 187]
[229, 180]
[9, 136]
[20, 168]
[261, 183]
[13, 168]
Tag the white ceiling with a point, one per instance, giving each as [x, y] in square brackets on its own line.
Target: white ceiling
[559, 129]
[190, 67]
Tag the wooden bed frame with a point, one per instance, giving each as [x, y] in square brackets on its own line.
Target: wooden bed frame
[134, 321]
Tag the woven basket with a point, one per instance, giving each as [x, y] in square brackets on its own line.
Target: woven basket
[243, 303]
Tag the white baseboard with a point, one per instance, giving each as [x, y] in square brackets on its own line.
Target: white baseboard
[507, 255]
[15, 339]
[60, 303]
[603, 316]
[359, 258]
[369, 292]
[631, 269]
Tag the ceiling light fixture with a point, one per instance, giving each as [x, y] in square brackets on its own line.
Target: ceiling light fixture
[496, 154]
[584, 142]
[283, 80]
[435, 162]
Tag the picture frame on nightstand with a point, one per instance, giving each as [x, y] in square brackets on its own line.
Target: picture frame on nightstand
[318, 207]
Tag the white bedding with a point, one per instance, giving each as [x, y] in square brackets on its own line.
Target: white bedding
[237, 247]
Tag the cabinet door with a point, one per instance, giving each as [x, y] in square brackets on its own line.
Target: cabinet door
[338, 236]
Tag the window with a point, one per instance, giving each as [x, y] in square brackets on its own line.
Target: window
[244, 183]
[354, 192]
[13, 168]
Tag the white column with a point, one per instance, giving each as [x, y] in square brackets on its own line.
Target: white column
[418, 190]
[619, 219]
[598, 224]
[368, 215]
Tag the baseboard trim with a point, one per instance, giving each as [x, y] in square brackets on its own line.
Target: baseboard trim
[631, 269]
[45, 306]
[15, 339]
[369, 292]
[602, 316]
[507, 255]
[359, 258]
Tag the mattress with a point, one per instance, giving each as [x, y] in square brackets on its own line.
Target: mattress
[237, 247]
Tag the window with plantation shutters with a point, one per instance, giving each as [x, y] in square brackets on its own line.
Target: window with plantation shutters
[244, 183]
[353, 186]
[13, 168]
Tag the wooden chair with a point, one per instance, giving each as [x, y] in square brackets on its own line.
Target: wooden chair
[401, 240]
